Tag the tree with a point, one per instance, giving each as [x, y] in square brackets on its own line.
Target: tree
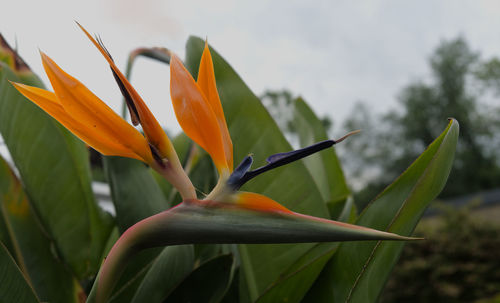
[455, 89]
[281, 104]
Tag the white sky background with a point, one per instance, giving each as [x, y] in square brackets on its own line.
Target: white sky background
[333, 53]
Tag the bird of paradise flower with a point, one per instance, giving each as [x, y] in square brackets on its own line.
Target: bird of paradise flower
[226, 214]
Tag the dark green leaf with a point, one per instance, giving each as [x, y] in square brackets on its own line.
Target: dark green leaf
[4, 231]
[131, 279]
[207, 284]
[167, 271]
[349, 211]
[232, 294]
[13, 285]
[297, 280]
[136, 194]
[49, 276]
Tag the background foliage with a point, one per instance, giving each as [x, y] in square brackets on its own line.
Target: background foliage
[443, 269]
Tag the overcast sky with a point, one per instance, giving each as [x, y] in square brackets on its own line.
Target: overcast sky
[330, 52]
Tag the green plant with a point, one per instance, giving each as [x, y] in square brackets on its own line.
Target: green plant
[54, 234]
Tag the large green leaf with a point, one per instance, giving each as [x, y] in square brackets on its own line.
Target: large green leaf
[296, 281]
[324, 167]
[4, 231]
[13, 285]
[132, 278]
[53, 165]
[166, 272]
[152, 274]
[206, 284]
[49, 277]
[203, 222]
[359, 270]
[254, 131]
[135, 193]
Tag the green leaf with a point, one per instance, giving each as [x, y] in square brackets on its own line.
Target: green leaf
[53, 165]
[324, 166]
[133, 275]
[254, 131]
[113, 236]
[295, 283]
[358, 271]
[232, 293]
[131, 279]
[49, 276]
[345, 211]
[4, 231]
[13, 285]
[135, 193]
[167, 271]
[196, 221]
[207, 284]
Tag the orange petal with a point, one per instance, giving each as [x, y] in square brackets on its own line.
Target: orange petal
[85, 107]
[194, 113]
[138, 109]
[206, 83]
[98, 140]
[259, 202]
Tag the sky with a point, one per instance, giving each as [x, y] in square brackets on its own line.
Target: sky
[332, 53]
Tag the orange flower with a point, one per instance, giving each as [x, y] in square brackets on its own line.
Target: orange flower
[86, 116]
[199, 111]
[91, 120]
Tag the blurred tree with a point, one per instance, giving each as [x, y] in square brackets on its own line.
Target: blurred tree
[460, 80]
[489, 74]
[280, 104]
